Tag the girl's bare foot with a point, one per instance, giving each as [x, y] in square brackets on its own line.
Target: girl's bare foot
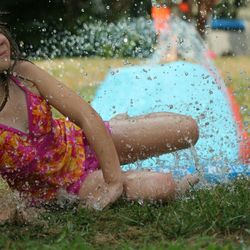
[13, 209]
[186, 183]
[7, 206]
[7, 215]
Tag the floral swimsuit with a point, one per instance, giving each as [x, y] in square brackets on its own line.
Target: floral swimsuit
[53, 155]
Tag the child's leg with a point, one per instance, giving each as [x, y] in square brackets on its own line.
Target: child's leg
[145, 185]
[154, 186]
[139, 138]
[148, 185]
[154, 134]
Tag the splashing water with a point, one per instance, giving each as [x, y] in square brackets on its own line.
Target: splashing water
[199, 169]
[181, 40]
[194, 89]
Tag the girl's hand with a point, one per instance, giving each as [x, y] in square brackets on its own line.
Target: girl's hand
[104, 195]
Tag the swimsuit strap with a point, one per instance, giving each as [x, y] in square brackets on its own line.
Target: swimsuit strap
[21, 85]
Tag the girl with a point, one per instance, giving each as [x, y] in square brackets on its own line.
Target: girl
[40, 155]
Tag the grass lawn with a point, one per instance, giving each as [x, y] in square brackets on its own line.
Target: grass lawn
[215, 218]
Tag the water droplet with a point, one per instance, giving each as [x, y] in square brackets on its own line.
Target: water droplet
[140, 201]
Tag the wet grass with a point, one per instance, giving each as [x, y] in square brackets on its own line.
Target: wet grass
[215, 218]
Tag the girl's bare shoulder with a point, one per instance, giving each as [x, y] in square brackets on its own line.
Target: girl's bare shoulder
[24, 70]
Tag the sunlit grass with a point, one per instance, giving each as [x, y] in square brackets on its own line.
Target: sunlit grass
[216, 218]
[81, 72]
[236, 73]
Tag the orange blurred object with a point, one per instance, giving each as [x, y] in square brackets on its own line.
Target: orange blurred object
[245, 140]
[160, 16]
[184, 7]
[211, 54]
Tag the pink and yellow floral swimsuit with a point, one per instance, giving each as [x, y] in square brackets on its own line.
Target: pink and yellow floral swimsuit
[54, 154]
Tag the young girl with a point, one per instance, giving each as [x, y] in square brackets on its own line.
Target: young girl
[40, 155]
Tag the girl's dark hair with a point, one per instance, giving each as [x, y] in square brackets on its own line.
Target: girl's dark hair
[15, 56]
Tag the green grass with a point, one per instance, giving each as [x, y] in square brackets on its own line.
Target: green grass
[215, 218]
[236, 73]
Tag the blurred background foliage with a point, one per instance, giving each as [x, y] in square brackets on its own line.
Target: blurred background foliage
[229, 8]
[57, 23]
[36, 21]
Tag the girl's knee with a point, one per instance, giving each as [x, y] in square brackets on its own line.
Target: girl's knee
[193, 130]
[185, 129]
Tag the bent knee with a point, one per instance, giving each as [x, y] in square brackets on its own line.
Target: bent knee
[193, 130]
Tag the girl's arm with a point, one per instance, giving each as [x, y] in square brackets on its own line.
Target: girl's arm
[81, 113]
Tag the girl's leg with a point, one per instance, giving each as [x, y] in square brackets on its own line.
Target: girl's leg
[155, 186]
[141, 137]
[145, 185]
